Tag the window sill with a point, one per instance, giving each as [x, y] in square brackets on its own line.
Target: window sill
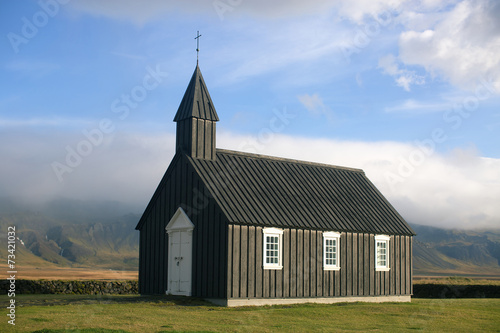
[331, 268]
[273, 267]
[382, 269]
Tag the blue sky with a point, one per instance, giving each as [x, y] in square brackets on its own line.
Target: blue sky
[409, 91]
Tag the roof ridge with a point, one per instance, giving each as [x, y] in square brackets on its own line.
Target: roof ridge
[289, 160]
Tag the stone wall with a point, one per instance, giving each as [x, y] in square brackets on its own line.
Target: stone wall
[455, 291]
[90, 287]
[93, 287]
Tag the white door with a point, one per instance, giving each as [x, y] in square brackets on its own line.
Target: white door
[180, 249]
[180, 263]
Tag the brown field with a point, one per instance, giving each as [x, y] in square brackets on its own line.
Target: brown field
[465, 271]
[458, 280]
[69, 273]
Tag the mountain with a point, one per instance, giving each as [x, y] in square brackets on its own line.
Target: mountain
[439, 251]
[112, 245]
[69, 233]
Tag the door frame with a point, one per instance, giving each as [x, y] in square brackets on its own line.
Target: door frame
[180, 222]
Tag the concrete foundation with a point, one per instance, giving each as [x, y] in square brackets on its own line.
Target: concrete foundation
[324, 300]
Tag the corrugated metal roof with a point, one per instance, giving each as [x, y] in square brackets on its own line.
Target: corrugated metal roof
[269, 191]
[196, 101]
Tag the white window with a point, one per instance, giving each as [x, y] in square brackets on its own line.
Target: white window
[382, 253]
[273, 239]
[331, 246]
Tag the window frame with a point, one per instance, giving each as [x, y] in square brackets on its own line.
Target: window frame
[273, 232]
[331, 235]
[382, 239]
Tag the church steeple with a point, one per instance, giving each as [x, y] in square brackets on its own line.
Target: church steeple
[196, 119]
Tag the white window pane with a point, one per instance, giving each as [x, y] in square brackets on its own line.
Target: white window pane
[330, 251]
[271, 249]
[382, 254]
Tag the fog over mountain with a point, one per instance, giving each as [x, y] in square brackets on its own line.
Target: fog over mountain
[455, 190]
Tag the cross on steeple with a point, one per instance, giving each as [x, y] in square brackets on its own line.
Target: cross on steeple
[197, 45]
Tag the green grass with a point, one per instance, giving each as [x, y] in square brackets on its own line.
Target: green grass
[75, 313]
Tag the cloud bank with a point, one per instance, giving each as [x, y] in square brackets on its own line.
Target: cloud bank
[463, 47]
[457, 190]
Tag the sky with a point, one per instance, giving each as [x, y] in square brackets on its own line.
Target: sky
[408, 91]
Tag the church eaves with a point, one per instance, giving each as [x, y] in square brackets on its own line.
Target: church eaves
[196, 102]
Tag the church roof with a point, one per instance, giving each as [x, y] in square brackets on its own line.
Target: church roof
[269, 191]
[196, 102]
[259, 190]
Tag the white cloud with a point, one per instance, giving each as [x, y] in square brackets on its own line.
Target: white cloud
[454, 40]
[314, 105]
[413, 106]
[463, 46]
[403, 77]
[388, 64]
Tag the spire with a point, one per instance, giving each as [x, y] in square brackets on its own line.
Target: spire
[196, 119]
[196, 101]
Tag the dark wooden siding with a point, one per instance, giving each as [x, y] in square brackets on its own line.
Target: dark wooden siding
[181, 187]
[196, 137]
[303, 275]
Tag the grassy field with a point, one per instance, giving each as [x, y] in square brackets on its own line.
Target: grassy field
[60, 313]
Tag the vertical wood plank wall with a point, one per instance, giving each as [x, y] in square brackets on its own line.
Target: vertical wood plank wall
[303, 275]
[196, 137]
[184, 189]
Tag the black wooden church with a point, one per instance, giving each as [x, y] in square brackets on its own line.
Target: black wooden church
[240, 228]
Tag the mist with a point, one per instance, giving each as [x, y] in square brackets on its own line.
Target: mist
[458, 189]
